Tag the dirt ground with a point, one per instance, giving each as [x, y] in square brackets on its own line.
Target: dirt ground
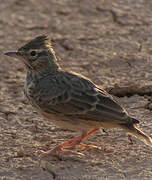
[107, 41]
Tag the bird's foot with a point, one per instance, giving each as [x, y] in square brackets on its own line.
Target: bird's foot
[65, 147]
[70, 144]
[57, 150]
[90, 146]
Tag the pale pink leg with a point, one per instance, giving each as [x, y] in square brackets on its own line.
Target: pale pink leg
[70, 144]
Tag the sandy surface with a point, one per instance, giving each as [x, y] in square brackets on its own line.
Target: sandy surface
[108, 41]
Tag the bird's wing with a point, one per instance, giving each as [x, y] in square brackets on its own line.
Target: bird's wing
[78, 97]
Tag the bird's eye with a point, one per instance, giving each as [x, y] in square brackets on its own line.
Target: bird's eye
[33, 53]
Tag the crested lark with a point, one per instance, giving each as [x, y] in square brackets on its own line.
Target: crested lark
[67, 99]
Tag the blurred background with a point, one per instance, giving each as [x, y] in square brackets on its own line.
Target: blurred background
[107, 41]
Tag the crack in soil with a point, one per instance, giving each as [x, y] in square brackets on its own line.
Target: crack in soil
[128, 91]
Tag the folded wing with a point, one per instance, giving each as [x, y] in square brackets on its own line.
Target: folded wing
[80, 98]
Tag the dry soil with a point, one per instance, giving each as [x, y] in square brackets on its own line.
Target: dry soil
[107, 41]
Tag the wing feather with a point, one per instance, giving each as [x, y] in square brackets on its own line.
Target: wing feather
[80, 98]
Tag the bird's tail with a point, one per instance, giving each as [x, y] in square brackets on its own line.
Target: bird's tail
[132, 128]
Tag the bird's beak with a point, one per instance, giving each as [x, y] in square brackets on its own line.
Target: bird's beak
[13, 54]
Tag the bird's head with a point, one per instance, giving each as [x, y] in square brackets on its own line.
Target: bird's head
[37, 55]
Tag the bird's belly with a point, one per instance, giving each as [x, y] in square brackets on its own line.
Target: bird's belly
[75, 124]
[68, 123]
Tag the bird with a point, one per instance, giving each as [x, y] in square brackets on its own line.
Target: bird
[68, 99]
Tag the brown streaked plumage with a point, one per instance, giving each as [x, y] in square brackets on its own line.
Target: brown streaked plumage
[67, 99]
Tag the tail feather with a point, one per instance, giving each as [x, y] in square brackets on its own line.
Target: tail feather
[142, 136]
[134, 121]
[131, 128]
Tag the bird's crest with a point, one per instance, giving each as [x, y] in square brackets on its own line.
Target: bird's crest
[40, 42]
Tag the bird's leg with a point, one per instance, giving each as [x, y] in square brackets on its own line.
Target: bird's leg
[85, 136]
[70, 144]
[89, 133]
